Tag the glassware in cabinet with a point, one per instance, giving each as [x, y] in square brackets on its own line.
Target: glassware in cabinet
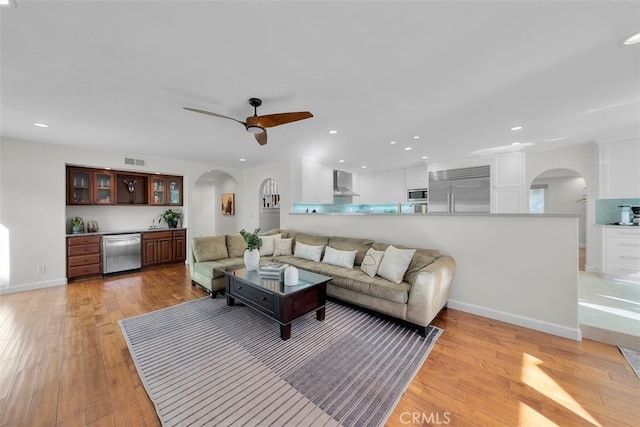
[104, 187]
[157, 190]
[79, 186]
[175, 191]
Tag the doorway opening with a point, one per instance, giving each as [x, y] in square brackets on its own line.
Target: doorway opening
[269, 204]
[562, 191]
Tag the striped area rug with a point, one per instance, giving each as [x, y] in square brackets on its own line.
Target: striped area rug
[204, 363]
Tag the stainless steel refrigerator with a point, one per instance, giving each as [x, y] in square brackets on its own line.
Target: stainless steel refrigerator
[460, 190]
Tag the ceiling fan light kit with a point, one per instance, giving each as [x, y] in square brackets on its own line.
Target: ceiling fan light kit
[257, 124]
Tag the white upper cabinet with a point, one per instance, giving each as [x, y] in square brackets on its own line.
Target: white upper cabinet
[314, 182]
[389, 186]
[362, 184]
[417, 177]
[507, 182]
[620, 170]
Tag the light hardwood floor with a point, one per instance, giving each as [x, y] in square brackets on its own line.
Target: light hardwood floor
[64, 362]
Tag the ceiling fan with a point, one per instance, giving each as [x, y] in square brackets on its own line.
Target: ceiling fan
[257, 125]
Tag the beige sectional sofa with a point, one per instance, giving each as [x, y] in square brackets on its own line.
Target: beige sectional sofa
[414, 293]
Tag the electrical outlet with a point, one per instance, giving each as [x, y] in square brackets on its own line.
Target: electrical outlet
[41, 269]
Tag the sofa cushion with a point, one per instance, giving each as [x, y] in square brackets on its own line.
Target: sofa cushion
[371, 262]
[338, 257]
[311, 240]
[211, 268]
[395, 263]
[350, 244]
[269, 243]
[209, 248]
[282, 247]
[312, 253]
[235, 245]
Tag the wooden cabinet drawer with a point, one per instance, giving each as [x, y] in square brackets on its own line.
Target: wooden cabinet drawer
[180, 233]
[79, 260]
[260, 299]
[83, 250]
[84, 270]
[157, 235]
[83, 240]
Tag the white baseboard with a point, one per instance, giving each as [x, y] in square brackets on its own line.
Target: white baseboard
[32, 286]
[526, 322]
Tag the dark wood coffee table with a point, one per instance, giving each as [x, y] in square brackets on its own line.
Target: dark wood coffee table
[281, 303]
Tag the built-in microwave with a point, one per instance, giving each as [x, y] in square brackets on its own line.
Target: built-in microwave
[417, 195]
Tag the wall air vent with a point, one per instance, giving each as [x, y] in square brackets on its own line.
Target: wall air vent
[134, 162]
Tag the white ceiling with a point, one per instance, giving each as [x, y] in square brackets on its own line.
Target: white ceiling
[115, 75]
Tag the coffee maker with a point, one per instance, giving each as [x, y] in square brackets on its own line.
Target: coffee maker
[625, 215]
[636, 214]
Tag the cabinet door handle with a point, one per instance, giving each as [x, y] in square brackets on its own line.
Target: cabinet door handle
[239, 288]
[263, 299]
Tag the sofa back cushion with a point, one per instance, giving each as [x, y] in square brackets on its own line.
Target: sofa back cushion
[235, 245]
[209, 248]
[351, 244]
[311, 239]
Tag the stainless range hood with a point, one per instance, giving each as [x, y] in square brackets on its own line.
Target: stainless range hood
[342, 184]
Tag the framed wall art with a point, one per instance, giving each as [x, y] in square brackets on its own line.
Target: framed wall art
[229, 204]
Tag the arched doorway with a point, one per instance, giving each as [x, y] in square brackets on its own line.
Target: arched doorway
[206, 215]
[562, 191]
[269, 205]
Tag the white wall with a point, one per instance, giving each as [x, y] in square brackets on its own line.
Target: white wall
[584, 160]
[33, 210]
[521, 269]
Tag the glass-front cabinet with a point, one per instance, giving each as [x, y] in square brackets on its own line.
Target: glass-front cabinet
[103, 192]
[92, 186]
[174, 183]
[165, 190]
[158, 191]
[79, 186]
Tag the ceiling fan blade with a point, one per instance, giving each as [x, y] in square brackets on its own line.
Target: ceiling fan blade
[271, 120]
[213, 114]
[261, 137]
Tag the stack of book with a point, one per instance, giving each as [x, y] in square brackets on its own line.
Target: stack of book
[272, 270]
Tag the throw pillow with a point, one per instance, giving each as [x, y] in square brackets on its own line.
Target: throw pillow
[339, 258]
[269, 244]
[312, 253]
[395, 263]
[371, 262]
[282, 247]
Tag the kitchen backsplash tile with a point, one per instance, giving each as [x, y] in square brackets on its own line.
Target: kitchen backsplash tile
[608, 211]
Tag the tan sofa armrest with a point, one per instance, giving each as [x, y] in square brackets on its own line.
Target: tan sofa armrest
[430, 292]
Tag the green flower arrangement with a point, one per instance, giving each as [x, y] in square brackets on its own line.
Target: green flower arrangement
[252, 239]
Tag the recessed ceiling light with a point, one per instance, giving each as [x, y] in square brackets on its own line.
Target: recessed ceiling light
[340, 161]
[516, 128]
[333, 132]
[41, 125]
[392, 142]
[424, 157]
[243, 160]
[363, 167]
[416, 137]
[407, 148]
[628, 41]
